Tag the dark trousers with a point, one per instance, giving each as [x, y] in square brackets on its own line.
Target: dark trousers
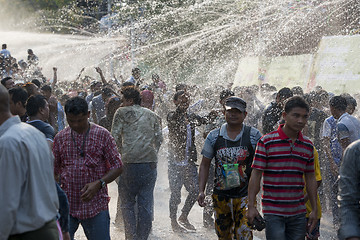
[182, 176]
[48, 232]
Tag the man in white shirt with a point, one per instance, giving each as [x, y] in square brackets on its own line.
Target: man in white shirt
[28, 194]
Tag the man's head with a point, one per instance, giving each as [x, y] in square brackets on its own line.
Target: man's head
[147, 99]
[36, 82]
[106, 92]
[112, 105]
[46, 91]
[77, 114]
[8, 82]
[131, 96]
[282, 95]
[18, 97]
[181, 87]
[296, 113]
[135, 72]
[4, 46]
[182, 100]
[297, 91]
[338, 106]
[95, 86]
[351, 103]
[235, 110]
[37, 106]
[4, 102]
[31, 89]
[30, 51]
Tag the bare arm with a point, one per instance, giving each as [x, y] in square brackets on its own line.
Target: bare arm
[98, 69]
[203, 177]
[253, 190]
[54, 78]
[311, 189]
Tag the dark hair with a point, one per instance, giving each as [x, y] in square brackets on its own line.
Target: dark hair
[349, 99]
[112, 105]
[18, 94]
[284, 93]
[76, 106]
[36, 82]
[226, 93]
[4, 80]
[46, 88]
[338, 102]
[135, 70]
[294, 102]
[297, 90]
[178, 94]
[127, 84]
[4, 46]
[132, 93]
[180, 86]
[34, 103]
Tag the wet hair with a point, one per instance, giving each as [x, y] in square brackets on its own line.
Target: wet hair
[180, 86]
[297, 90]
[46, 88]
[226, 93]
[76, 106]
[349, 99]
[294, 102]
[132, 93]
[18, 94]
[36, 82]
[34, 103]
[4, 80]
[178, 94]
[127, 84]
[106, 91]
[338, 102]
[284, 93]
[135, 70]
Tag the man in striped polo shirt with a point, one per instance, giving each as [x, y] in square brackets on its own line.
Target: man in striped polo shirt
[283, 157]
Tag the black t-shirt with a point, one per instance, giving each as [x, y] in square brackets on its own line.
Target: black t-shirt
[44, 127]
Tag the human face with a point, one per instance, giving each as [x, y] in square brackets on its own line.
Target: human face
[9, 84]
[296, 119]
[183, 101]
[45, 111]
[234, 116]
[79, 123]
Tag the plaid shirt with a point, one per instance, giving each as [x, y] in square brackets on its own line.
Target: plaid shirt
[100, 156]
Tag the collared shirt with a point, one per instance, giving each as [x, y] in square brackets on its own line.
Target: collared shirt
[284, 164]
[349, 192]
[43, 127]
[99, 156]
[28, 194]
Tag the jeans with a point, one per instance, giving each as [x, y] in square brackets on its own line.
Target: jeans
[136, 189]
[285, 228]
[178, 176]
[95, 228]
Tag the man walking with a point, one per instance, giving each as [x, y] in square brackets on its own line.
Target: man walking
[28, 193]
[86, 159]
[233, 146]
[283, 157]
[137, 131]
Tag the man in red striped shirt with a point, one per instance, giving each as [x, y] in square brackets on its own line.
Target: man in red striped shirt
[283, 157]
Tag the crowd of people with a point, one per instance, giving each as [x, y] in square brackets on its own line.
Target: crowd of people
[61, 143]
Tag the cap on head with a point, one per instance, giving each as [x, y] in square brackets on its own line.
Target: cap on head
[235, 102]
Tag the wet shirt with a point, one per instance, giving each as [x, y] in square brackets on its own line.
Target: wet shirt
[28, 193]
[315, 121]
[330, 130]
[283, 164]
[99, 156]
[137, 131]
[229, 152]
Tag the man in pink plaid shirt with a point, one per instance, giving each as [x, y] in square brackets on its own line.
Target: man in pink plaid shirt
[86, 159]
